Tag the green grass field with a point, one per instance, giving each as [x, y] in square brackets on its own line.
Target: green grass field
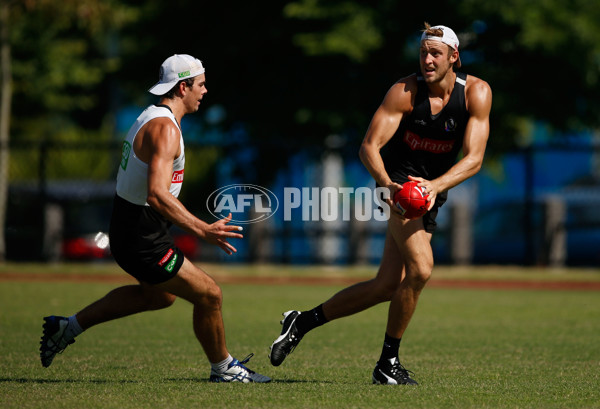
[469, 349]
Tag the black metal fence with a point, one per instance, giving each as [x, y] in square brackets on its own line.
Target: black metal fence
[60, 196]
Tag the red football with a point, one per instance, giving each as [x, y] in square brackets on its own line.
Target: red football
[411, 200]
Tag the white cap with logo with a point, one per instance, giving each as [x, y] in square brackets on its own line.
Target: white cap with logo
[174, 69]
[448, 38]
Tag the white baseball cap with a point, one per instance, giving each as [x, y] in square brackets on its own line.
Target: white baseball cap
[449, 38]
[174, 69]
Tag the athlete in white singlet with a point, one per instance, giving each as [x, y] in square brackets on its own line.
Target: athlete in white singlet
[146, 204]
[132, 179]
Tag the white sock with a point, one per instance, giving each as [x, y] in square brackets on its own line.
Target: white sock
[73, 329]
[220, 367]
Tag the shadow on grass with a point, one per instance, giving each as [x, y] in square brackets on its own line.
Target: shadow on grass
[298, 381]
[42, 381]
[282, 381]
[57, 381]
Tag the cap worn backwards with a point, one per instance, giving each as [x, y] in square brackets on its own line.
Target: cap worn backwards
[448, 38]
[174, 69]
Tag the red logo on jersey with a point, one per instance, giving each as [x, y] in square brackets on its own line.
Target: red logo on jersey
[177, 176]
[165, 258]
[416, 143]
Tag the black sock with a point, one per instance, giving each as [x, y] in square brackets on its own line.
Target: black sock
[390, 347]
[311, 319]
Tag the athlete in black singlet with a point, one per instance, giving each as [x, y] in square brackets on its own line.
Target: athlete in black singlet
[426, 145]
[416, 134]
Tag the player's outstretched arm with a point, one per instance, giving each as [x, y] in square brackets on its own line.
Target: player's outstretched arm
[161, 147]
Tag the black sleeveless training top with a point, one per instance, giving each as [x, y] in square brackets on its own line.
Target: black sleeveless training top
[427, 145]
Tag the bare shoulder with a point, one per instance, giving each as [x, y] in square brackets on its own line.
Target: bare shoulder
[160, 135]
[409, 82]
[478, 95]
[160, 125]
[401, 95]
[406, 85]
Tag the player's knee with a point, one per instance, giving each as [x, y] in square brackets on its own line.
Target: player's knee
[422, 274]
[213, 296]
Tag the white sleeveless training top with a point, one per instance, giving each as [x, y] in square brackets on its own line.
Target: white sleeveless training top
[132, 179]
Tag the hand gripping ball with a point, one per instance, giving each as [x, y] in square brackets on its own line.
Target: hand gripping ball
[411, 200]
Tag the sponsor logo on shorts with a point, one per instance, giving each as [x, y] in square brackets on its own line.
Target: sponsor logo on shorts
[171, 264]
[177, 176]
[166, 257]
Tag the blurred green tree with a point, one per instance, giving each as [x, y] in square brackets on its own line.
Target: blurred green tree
[62, 54]
[353, 31]
[55, 59]
[542, 60]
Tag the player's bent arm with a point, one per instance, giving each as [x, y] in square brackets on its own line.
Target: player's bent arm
[397, 102]
[479, 97]
[163, 147]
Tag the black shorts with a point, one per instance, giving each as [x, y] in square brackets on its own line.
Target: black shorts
[429, 222]
[429, 218]
[141, 243]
